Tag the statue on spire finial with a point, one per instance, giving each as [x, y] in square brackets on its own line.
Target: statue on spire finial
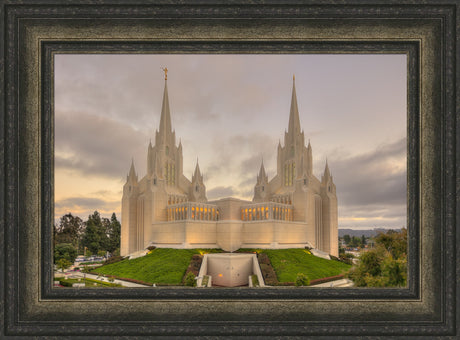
[293, 77]
[165, 70]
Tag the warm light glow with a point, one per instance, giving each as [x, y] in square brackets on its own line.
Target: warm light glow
[220, 275]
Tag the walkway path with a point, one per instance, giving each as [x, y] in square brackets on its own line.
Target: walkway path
[336, 284]
[96, 277]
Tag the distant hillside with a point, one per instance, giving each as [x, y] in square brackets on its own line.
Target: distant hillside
[365, 232]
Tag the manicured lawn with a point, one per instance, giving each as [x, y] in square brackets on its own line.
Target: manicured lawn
[168, 266]
[161, 266]
[287, 263]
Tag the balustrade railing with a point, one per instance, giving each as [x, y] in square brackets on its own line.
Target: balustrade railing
[267, 211]
[193, 211]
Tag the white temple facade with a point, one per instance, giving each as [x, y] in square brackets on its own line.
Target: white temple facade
[294, 209]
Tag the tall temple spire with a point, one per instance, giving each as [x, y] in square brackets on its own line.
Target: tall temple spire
[132, 177]
[262, 177]
[165, 119]
[294, 120]
[327, 173]
[197, 174]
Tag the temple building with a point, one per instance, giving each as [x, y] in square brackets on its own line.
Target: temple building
[294, 209]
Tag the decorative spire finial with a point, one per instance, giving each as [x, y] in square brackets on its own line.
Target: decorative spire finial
[165, 70]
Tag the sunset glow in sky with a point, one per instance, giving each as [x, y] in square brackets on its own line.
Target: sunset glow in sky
[230, 111]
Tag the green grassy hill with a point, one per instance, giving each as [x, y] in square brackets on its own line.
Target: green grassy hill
[161, 266]
[287, 263]
[168, 266]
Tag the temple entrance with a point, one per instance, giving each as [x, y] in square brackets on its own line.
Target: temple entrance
[230, 269]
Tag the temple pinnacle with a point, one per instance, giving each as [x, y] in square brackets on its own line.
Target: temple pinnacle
[165, 70]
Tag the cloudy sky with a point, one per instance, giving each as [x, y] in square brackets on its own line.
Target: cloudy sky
[230, 111]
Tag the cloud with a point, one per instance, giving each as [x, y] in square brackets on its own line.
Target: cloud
[371, 187]
[82, 202]
[97, 145]
[84, 206]
[219, 192]
[375, 178]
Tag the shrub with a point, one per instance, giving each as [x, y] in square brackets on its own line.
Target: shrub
[194, 266]
[347, 258]
[150, 248]
[65, 283]
[190, 280]
[255, 281]
[205, 281]
[302, 280]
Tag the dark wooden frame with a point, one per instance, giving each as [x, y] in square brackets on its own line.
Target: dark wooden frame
[34, 31]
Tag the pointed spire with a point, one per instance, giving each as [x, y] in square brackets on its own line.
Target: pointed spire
[327, 173]
[294, 120]
[262, 175]
[132, 173]
[165, 119]
[197, 174]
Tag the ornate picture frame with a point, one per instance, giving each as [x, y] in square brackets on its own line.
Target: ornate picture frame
[34, 31]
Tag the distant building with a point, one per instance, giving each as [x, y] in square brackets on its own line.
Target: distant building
[292, 210]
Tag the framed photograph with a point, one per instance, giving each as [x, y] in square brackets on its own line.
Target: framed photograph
[52, 51]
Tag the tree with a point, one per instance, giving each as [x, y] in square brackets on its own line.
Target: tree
[346, 239]
[395, 270]
[113, 233]
[69, 230]
[394, 242]
[385, 265]
[65, 251]
[62, 264]
[363, 241]
[355, 242]
[95, 238]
